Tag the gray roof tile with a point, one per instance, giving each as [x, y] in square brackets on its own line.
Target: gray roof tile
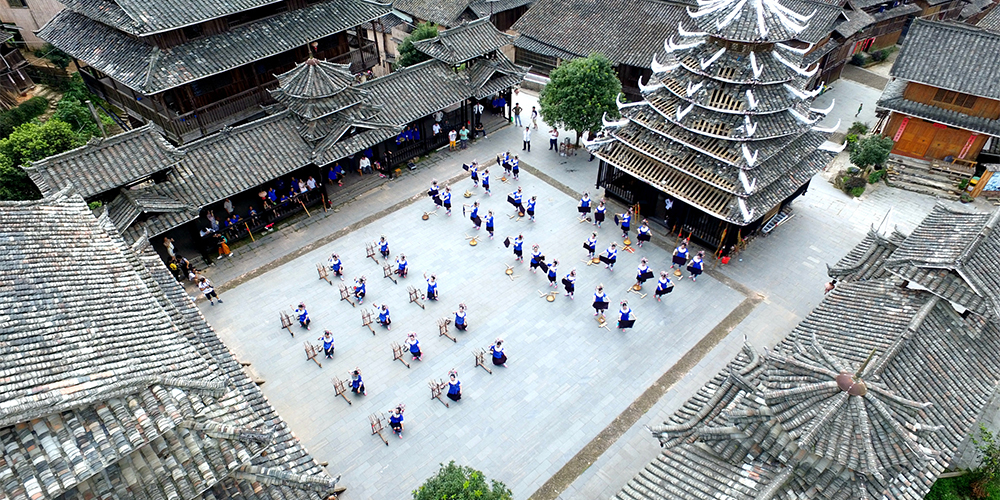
[465, 41]
[443, 12]
[105, 164]
[145, 17]
[951, 56]
[149, 70]
[991, 21]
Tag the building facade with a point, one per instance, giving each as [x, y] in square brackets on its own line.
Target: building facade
[195, 67]
[724, 137]
[943, 100]
[28, 16]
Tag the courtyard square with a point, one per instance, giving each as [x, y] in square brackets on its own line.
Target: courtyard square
[566, 379]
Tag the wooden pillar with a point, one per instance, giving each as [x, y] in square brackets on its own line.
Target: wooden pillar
[194, 108]
[361, 45]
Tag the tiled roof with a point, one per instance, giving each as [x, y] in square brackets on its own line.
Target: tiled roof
[145, 17]
[125, 208]
[530, 44]
[317, 88]
[892, 99]
[115, 386]
[869, 397]
[491, 76]
[991, 21]
[856, 21]
[951, 56]
[626, 31]
[483, 8]
[443, 12]
[866, 261]
[900, 11]
[751, 25]
[466, 41]
[149, 70]
[105, 164]
[954, 255]
[417, 91]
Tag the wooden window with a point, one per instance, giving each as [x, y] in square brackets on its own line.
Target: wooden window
[18, 4]
[193, 32]
[955, 98]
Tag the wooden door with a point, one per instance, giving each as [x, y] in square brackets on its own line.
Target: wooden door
[947, 141]
[916, 138]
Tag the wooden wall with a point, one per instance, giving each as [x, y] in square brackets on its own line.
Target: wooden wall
[984, 108]
[924, 139]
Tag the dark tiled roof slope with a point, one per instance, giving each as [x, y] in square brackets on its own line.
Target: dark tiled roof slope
[125, 208]
[105, 164]
[951, 56]
[991, 21]
[443, 12]
[128, 392]
[483, 8]
[468, 40]
[869, 397]
[626, 31]
[150, 70]
[417, 91]
[866, 260]
[144, 17]
[317, 88]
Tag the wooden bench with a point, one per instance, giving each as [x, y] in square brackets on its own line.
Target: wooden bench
[957, 166]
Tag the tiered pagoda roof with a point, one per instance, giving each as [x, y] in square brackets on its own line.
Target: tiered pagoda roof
[114, 385]
[870, 396]
[726, 124]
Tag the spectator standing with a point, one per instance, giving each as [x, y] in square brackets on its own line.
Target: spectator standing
[534, 118]
[311, 183]
[517, 114]
[477, 111]
[436, 129]
[169, 243]
[228, 205]
[452, 139]
[526, 146]
[554, 139]
[463, 135]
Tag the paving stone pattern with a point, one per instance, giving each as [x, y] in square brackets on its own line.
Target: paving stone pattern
[566, 380]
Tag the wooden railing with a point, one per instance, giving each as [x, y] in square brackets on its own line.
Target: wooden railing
[360, 59]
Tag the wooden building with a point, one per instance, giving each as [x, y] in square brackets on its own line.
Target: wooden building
[944, 97]
[450, 13]
[194, 67]
[13, 74]
[723, 138]
[627, 32]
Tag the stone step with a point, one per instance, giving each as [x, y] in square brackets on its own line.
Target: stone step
[924, 171]
[917, 188]
[932, 183]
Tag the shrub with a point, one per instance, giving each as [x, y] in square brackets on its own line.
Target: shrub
[24, 113]
[94, 205]
[856, 192]
[455, 482]
[852, 140]
[986, 477]
[872, 150]
[858, 59]
[858, 128]
[876, 176]
[55, 56]
[879, 55]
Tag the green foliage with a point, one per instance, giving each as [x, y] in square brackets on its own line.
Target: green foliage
[453, 482]
[23, 113]
[408, 54]
[72, 109]
[856, 192]
[94, 205]
[872, 150]
[880, 55]
[858, 128]
[578, 94]
[858, 59]
[876, 176]
[852, 141]
[30, 142]
[55, 56]
[962, 184]
[986, 476]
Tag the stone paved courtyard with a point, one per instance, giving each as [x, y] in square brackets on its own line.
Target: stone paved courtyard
[566, 379]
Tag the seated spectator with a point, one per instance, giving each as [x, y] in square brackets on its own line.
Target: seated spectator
[364, 165]
[302, 186]
[253, 215]
[311, 183]
[336, 174]
[272, 195]
[436, 129]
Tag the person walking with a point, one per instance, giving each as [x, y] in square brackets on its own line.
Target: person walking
[599, 213]
[663, 286]
[454, 386]
[327, 340]
[359, 289]
[552, 273]
[517, 114]
[591, 245]
[518, 246]
[610, 257]
[531, 208]
[643, 273]
[695, 267]
[499, 358]
[383, 317]
[600, 300]
[680, 256]
[625, 317]
[860, 107]
[554, 139]
[432, 287]
[206, 288]
[536, 258]
[644, 233]
[396, 420]
[303, 315]
[626, 222]
[534, 118]
[569, 283]
[411, 340]
[460, 314]
[489, 223]
[357, 383]
[526, 144]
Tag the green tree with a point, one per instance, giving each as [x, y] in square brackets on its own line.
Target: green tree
[453, 482]
[871, 151]
[55, 56]
[579, 93]
[986, 477]
[408, 54]
[30, 142]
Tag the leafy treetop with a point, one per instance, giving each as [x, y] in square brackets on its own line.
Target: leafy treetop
[579, 93]
[454, 482]
[408, 54]
[871, 151]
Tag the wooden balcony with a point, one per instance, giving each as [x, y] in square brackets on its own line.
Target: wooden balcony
[360, 59]
[12, 70]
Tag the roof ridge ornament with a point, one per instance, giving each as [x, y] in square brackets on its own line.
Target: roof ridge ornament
[662, 68]
[828, 130]
[715, 57]
[747, 213]
[757, 69]
[748, 126]
[691, 89]
[671, 47]
[802, 94]
[681, 113]
[648, 88]
[800, 71]
[683, 32]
